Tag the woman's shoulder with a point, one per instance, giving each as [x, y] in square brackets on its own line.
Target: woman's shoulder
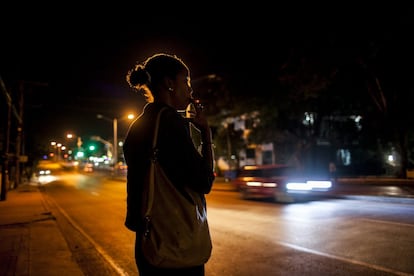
[169, 114]
[170, 118]
[152, 109]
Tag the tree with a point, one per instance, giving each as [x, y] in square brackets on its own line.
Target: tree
[363, 72]
[388, 70]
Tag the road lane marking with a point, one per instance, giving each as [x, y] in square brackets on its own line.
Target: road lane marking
[376, 267]
[100, 250]
[389, 222]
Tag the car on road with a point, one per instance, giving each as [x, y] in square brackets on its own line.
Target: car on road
[46, 171]
[280, 182]
[88, 167]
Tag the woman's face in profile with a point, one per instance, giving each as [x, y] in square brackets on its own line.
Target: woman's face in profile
[183, 91]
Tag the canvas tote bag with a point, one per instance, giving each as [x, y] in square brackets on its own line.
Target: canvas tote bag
[176, 232]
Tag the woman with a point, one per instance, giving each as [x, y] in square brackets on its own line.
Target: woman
[165, 82]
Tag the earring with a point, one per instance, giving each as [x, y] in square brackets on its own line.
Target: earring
[170, 89]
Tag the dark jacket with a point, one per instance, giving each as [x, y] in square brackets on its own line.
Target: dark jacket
[177, 154]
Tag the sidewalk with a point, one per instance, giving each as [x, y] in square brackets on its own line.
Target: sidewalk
[31, 242]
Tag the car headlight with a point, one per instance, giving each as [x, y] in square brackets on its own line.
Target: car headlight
[44, 172]
[320, 184]
[298, 186]
[309, 185]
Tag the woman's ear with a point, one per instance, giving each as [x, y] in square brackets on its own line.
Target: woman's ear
[169, 84]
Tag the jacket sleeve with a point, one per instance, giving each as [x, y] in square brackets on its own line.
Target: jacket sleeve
[136, 156]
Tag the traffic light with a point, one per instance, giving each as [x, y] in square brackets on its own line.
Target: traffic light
[92, 146]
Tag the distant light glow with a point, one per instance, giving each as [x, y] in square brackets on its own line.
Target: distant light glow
[309, 119]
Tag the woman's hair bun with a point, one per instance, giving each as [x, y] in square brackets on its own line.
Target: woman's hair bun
[138, 76]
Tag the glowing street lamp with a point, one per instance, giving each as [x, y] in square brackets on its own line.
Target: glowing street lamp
[115, 128]
[57, 148]
[74, 141]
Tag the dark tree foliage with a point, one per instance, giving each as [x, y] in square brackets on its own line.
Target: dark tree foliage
[366, 72]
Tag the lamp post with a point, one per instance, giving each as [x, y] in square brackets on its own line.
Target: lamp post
[115, 153]
[71, 145]
[115, 140]
[54, 146]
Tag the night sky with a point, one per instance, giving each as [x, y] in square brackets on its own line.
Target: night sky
[74, 61]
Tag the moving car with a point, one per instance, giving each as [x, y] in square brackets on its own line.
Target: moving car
[282, 183]
[46, 171]
[88, 167]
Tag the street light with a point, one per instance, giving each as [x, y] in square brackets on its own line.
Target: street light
[57, 148]
[115, 127]
[72, 144]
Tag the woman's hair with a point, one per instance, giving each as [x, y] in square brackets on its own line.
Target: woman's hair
[147, 78]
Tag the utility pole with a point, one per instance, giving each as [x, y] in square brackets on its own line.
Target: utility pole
[18, 114]
[5, 157]
[19, 156]
[5, 154]
[19, 135]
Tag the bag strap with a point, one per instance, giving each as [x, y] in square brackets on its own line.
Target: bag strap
[150, 199]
